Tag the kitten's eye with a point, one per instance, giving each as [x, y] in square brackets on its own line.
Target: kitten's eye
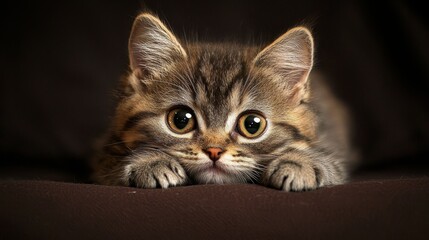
[251, 125]
[181, 120]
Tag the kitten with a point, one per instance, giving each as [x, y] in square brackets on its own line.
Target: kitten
[222, 113]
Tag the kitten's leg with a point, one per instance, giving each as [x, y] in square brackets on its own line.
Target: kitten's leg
[300, 170]
[148, 170]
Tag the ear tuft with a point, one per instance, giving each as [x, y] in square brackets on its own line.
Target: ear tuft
[152, 47]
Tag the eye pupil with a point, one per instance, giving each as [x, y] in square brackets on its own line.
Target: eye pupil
[252, 124]
[181, 118]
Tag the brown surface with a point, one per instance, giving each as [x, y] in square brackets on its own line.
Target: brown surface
[386, 209]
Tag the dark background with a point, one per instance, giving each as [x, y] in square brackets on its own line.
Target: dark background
[61, 60]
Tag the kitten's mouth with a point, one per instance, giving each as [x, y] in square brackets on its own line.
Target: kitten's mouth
[215, 168]
[216, 173]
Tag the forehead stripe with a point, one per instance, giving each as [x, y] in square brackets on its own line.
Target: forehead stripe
[136, 118]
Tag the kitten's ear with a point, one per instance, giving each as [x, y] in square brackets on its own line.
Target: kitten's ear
[152, 47]
[288, 60]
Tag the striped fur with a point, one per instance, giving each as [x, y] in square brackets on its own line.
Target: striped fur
[304, 146]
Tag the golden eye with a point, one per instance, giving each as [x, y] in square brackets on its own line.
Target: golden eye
[181, 120]
[251, 125]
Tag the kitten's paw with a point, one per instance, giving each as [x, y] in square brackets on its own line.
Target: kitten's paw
[290, 176]
[155, 174]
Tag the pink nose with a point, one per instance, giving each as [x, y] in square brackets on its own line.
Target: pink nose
[213, 153]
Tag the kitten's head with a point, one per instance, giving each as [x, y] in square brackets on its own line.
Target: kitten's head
[222, 110]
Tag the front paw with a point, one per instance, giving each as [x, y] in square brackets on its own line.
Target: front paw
[155, 173]
[289, 175]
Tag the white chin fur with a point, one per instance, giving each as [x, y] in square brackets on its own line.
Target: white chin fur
[216, 177]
